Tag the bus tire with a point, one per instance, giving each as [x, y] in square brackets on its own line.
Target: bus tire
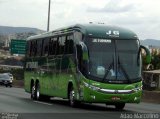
[39, 96]
[72, 101]
[33, 96]
[120, 106]
[37, 91]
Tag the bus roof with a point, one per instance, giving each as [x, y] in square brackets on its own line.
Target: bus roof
[92, 30]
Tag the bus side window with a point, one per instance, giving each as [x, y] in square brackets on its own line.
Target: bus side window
[81, 63]
[79, 56]
[31, 47]
[54, 46]
[35, 48]
[71, 47]
[39, 47]
[51, 47]
[45, 47]
[61, 42]
[42, 47]
[57, 46]
[28, 48]
[69, 44]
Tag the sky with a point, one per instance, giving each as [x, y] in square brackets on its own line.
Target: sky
[140, 16]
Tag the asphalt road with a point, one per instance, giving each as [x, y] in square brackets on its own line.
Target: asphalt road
[15, 103]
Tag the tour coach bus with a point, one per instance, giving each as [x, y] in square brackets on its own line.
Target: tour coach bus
[85, 63]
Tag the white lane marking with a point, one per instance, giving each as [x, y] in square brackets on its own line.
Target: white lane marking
[43, 103]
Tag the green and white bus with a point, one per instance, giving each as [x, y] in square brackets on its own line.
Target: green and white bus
[85, 63]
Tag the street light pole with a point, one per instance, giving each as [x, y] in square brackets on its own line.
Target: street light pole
[49, 6]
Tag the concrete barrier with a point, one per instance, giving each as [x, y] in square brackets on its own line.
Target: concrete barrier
[151, 96]
[18, 83]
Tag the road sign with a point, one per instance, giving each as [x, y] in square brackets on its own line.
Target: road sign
[18, 46]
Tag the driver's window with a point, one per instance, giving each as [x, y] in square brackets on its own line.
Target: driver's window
[79, 56]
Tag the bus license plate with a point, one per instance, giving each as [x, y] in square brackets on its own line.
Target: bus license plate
[116, 98]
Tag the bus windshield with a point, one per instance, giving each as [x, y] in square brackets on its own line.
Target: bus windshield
[113, 60]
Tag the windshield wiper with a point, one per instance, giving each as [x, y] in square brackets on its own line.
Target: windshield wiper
[108, 70]
[123, 70]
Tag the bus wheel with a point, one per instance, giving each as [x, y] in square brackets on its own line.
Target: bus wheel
[120, 106]
[72, 100]
[37, 92]
[39, 96]
[33, 96]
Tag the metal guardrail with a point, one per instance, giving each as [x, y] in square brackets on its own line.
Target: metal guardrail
[11, 67]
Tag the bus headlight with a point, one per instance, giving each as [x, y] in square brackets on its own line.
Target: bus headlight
[138, 89]
[94, 87]
[91, 86]
[86, 84]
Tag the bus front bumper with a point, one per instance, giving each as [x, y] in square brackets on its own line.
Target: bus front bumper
[110, 96]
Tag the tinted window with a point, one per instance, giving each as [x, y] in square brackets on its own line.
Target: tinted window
[33, 48]
[45, 46]
[28, 48]
[61, 44]
[69, 45]
[39, 47]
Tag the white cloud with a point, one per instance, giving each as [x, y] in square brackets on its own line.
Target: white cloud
[115, 6]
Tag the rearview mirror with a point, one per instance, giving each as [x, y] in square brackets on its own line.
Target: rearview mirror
[148, 54]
